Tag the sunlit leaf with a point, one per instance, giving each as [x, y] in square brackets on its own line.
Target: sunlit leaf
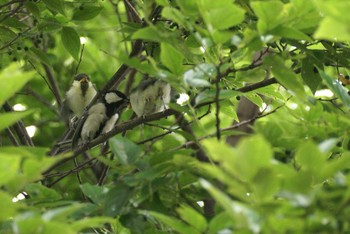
[40, 55]
[55, 5]
[285, 75]
[117, 200]
[71, 41]
[95, 222]
[171, 58]
[236, 210]
[193, 217]
[12, 79]
[333, 30]
[94, 192]
[7, 119]
[9, 208]
[126, 151]
[336, 88]
[172, 222]
[200, 75]
[86, 12]
[210, 95]
[221, 14]
[268, 13]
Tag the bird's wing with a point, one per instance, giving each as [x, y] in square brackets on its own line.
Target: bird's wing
[77, 132]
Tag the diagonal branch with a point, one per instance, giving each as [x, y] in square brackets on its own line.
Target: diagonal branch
[19, 128]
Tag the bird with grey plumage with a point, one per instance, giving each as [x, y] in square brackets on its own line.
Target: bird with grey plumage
[79, 95]
[150, 96]
[101, 117]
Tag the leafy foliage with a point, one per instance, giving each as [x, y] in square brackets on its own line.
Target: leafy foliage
[181, 170]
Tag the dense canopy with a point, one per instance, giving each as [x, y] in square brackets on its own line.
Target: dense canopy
[255, 138]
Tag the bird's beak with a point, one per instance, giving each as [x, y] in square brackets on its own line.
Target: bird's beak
[84, 80]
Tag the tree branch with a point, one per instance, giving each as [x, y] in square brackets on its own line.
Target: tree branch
[19, 128]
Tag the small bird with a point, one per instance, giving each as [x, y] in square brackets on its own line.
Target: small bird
[78, 97]
[101, 117]
[150, 96]
[344, 79]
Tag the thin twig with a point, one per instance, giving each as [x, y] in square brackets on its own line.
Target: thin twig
[13, 12]
[12, 137]
[53, 85]
[77, 173]
[14, 39]
[19, 128]
[217, 105]
[245, 122]
[116, 9]
[80, 58]
[41, 99]
[10, 3]
[65, 174]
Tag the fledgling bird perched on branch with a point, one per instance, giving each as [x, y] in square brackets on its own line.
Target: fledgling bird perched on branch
[101, 117]
[150, 96]
[79, 95]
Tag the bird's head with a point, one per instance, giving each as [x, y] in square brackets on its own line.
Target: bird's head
[83, 80]
[115, 100]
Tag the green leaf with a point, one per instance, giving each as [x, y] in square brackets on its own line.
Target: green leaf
[6, 35]
[309, 157]
[221, 14]
[332, 29]
[49, 26]
[336, 87]
[34, 224]
[174, 15]
[8, 208]
[55, 5]
[265, 185]
[240, 213]
[7, 119]
[126, 151]
[23, 165]
[310, 74]
[192, 217]
[268, 13]
[338, 10]
[220, 222]
[117, 200]
[200, 75]
[149, 33]
[10, 164]
[209, 95]
[61, 213]
[335, 166]
[41, 193]
[94, 192]
[12, 22]
[189, 7]
[289, 32]
[285, 75]
[255, 98]
[95, 222]
[162, 2]
[172, 222]
[239, 164]
[86, 12]
[33, 8]
[12, 79]
[40, 55]
[171, 58]
[71, 41]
